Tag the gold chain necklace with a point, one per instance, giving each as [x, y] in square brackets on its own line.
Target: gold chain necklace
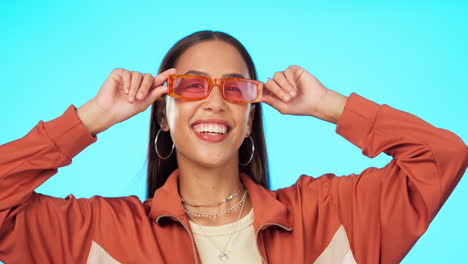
[224, 211]
[230, 197]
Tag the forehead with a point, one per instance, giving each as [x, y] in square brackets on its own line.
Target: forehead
[215, 57]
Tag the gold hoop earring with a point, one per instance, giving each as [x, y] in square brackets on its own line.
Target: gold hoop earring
[156, 147]
[251, 155]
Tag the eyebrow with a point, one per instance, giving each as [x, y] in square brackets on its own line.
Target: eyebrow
[228, 75]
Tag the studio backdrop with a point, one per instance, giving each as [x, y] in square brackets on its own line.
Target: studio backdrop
[410, 55]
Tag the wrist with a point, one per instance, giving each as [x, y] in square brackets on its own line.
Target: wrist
[93, 118]
[330, 107]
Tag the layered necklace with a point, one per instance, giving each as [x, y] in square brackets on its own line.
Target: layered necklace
[223, 255]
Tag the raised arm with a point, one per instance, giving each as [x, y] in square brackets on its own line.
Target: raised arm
[384, 211]
[42, 224]
[25, 215]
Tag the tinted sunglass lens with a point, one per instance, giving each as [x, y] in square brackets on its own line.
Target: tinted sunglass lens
[191, 87]
[240, 91]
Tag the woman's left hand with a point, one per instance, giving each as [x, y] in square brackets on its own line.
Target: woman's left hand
[295, 91]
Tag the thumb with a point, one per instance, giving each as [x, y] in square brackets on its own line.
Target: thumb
[162, 77]
[155, 94]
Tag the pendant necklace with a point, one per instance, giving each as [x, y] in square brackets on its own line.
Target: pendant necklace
[223, 256]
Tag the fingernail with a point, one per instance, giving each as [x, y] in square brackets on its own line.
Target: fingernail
[292, 93]
[126, 91]
[286, 98]
[139, 96]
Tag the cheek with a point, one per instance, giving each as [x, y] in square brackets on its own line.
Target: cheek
[242, 115]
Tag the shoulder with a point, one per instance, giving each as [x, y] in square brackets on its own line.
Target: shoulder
[306, 187]
[127, 204]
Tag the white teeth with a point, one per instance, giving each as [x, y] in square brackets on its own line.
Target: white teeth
[210, 128]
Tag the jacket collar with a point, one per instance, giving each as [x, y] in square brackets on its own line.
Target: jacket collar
[268, 210]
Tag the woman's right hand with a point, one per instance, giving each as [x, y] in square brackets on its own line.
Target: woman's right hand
[122, 95]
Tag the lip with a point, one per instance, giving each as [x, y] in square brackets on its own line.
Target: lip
[208, 137]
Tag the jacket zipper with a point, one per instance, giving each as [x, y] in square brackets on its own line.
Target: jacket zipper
[260, 229]
[188, 231]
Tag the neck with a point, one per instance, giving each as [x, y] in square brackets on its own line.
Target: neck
[201, 184]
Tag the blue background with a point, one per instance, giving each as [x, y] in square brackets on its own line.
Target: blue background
[411, 55]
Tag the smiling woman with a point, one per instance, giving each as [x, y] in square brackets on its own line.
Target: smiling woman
[208, 183]
[232, 61]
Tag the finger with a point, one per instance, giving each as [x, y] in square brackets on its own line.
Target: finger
[127, 79]
[145, 86]
[280, 79]
[154, 94]
[276, 90]
[289, 75]
[162, 77]
[275, 102]
[136, 80]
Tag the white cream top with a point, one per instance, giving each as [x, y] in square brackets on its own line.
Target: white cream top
[242, 247]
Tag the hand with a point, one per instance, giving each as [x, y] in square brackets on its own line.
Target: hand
[295, 91]
[123, 95]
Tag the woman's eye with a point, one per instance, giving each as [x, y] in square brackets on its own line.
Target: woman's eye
[233, 89]
[194, 85]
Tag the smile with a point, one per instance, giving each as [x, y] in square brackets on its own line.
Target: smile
[213, 130]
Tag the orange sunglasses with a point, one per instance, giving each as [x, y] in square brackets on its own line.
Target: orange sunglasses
[196, 87]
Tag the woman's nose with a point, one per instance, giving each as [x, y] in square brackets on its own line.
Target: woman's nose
[215, 100]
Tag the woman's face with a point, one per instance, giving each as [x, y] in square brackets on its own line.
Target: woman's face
[209, 132]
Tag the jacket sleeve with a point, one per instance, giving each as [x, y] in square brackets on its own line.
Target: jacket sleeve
[384, 211]
[29, 219]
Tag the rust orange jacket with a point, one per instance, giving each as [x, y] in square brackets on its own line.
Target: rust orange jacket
[373, 217]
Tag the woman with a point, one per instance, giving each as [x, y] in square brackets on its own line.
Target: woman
[208, 200]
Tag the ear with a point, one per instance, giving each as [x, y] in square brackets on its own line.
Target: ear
[251, 118]
[161, 114]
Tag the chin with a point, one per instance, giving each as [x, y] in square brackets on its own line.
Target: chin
[213, 163]
[213, 160]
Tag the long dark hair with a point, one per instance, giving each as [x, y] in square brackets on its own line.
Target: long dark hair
[159, 169]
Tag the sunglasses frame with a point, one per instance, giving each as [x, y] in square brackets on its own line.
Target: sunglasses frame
[211, 83]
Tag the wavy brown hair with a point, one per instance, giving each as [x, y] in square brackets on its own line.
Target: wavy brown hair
[159, 169]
